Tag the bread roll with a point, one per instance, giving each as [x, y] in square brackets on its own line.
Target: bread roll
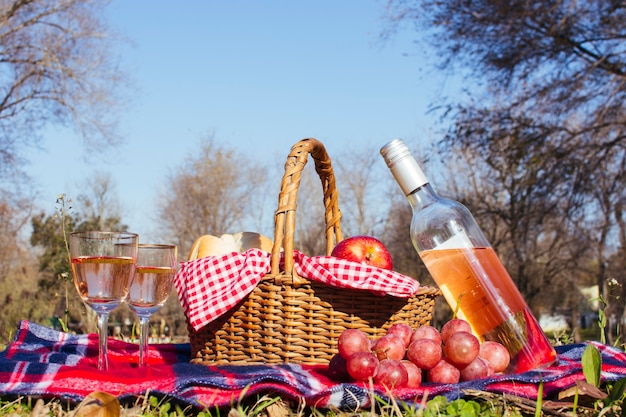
[209, 245]
[249, 240]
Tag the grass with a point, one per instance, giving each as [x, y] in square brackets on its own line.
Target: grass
[474, 404]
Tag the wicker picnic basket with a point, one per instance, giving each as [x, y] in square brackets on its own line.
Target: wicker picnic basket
[288, 318]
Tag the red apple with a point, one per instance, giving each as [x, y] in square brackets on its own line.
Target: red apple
[364, 249]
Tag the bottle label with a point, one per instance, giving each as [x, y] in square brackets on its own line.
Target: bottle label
[458, 241]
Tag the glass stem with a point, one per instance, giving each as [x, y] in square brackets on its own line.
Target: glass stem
[144, 332]
[103, 359]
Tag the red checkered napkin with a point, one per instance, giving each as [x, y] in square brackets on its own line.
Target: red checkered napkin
[209, 287]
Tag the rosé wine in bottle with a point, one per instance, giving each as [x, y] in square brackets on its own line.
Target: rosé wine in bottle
[466, 268]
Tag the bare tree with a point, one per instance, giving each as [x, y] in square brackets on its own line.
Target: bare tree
[603, 227]
[216, 190]
[363, 184]
[557, 68]
[310, 232]
[18, 284]
[520, 195]
[57, 67]
[97, 208]
[99, 205]
[363, 181]
[568, 53]
[544, 127]
[14, 214]
[615, 268]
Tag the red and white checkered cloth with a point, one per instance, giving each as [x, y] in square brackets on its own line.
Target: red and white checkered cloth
[209, 287]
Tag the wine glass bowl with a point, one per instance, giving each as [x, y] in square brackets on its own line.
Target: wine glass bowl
[103, 266]
[154, 277]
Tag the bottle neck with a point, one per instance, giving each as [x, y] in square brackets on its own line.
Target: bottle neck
[403, 166]
[422, 196]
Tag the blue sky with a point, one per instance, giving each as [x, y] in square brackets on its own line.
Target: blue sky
[259, 76]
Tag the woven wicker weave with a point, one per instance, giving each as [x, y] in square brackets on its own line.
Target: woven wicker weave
[288, 318]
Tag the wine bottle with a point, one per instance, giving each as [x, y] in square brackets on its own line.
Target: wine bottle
[466, 268]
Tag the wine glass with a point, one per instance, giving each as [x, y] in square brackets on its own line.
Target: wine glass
[103, 265]
[156, 267]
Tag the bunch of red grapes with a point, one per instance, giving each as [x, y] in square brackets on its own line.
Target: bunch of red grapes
[404, 357]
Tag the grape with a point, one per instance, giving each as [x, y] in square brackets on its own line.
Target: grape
[477, 369]
[448, 356]
[403, 330]
[391, 374]
[425, 353]
[426, 332]
[461, 348]
[373, 344]
[390, 346]
[362, 365]
[444, 373]
[496, 354]
[414, 373]
[453, 326]
[351, 341]
[337, 368]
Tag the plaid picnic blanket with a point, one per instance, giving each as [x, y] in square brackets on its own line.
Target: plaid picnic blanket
[52, 364]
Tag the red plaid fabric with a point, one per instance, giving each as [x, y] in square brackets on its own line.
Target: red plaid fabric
[42, 362]
[209, 287]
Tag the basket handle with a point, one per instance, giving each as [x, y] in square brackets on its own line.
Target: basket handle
[285, 216]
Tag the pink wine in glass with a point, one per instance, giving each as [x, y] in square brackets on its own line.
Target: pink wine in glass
[103, 266]
[103, 280]
[156, 267]
[150, 288]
